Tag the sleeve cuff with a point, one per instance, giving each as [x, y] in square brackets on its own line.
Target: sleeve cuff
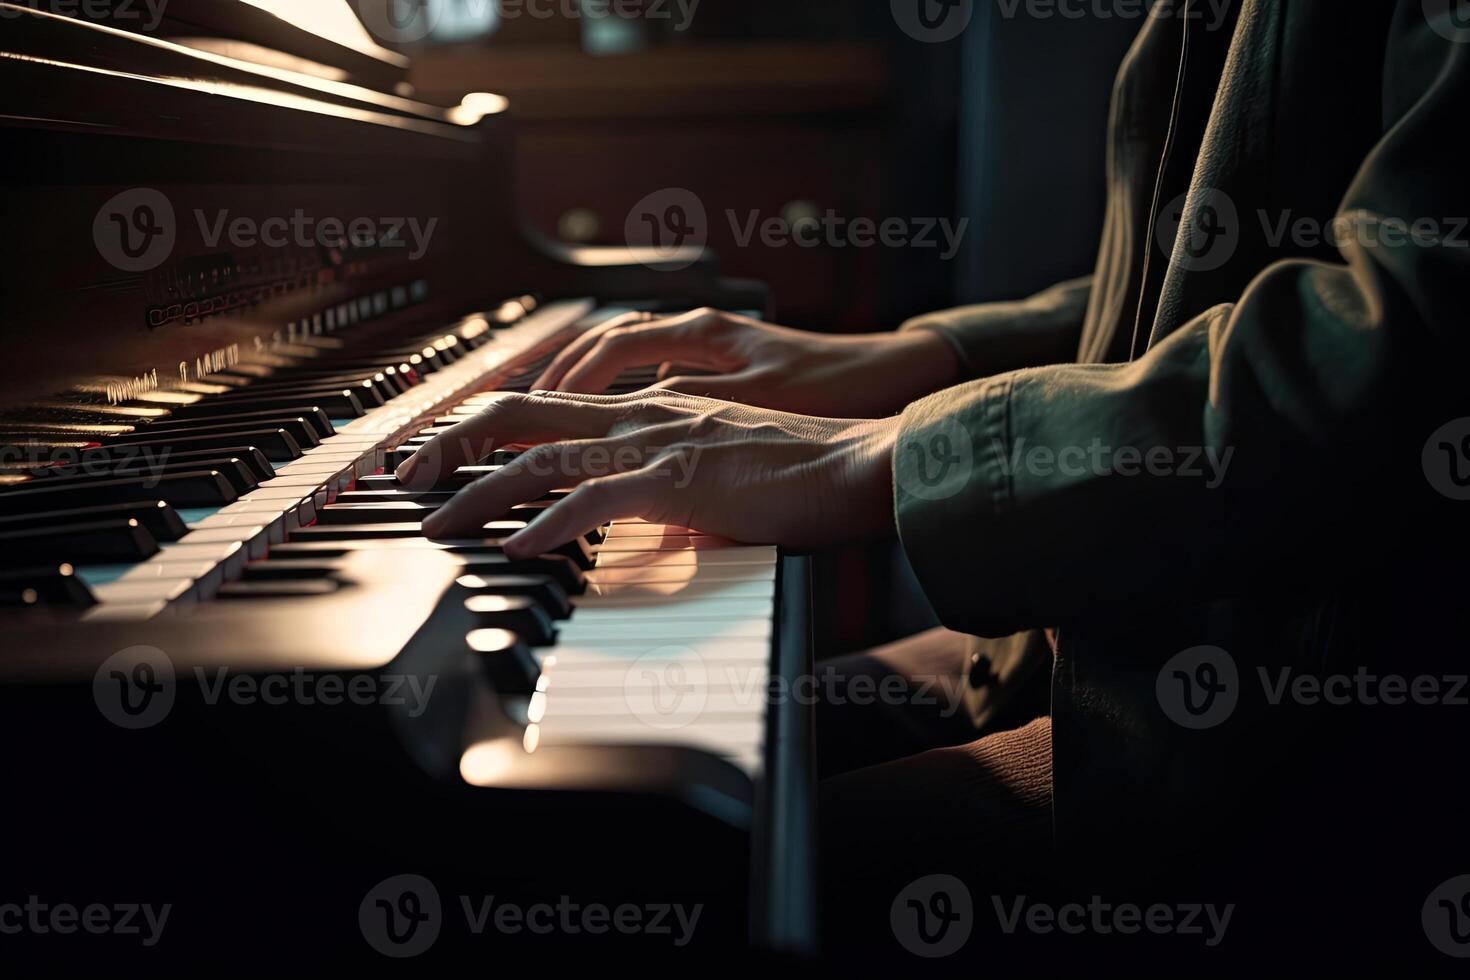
[950, 479]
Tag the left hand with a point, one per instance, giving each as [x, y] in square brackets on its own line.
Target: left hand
[753, 475]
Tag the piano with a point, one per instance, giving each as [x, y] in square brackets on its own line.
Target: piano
[246, 273]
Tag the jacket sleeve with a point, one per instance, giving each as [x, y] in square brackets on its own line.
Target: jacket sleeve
[1262, 435]
[993, 338]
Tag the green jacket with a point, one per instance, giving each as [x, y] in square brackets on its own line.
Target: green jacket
[1220, 437]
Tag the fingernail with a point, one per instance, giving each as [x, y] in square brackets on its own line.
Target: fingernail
[432, 524]
[516, 547]
[405, 469]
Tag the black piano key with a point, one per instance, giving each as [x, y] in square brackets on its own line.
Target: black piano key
[508, 663]
[369, 394]
[338, 403]
[277, 444]
[396, 512]
[544, 590]
[161, 520]
[496, 532]
[389, 496]
[276, 569]
[299, 429]
[233, 469]
[50, 585]
[366, 387]
[200, 488]
[313, 420]
[107, 460]
[448, 486]
[388, 383]
[278, 589]
[399, 455]
[519, 614]
[473, 561]
[102, 542]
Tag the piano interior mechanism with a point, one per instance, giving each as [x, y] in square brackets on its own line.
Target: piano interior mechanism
[245, 274]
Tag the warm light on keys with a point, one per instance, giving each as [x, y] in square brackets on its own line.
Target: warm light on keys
[485, 762]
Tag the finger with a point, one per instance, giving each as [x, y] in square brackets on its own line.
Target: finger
[630, 347]
[591, 505]
[508, 420]
[578, 349]
[552, 466]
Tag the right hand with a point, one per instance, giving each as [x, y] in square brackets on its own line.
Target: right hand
[852, 376]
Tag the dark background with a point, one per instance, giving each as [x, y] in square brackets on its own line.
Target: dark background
[789, 108]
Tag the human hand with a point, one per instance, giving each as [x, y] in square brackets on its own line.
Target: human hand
[753, 475]
[755, 363]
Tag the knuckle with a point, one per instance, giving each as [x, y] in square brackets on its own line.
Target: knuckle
[703, 425]
[596, 490]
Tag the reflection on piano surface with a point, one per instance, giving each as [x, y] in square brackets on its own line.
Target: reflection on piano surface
[203, 552]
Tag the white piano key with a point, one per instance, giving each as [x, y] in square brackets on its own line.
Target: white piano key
[748, 679]
[252, 537]
[737, 738]
[758, 555]
[605, 579]
[643, 529]
[230, 556]
[568, 655]
[162, 590]
[275, 524]
[696, 609]
[719, 704]
[123, 612]
[667, 542]
[621, 594]
[663, 630]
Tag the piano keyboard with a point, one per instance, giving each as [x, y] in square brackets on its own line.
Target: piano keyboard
[638, 634]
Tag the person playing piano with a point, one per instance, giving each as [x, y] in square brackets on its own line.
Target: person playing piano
[1193, 449]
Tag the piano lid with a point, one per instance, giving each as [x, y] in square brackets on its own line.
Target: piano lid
[319, 37]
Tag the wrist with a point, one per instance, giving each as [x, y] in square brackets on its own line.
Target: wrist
[928, 360]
